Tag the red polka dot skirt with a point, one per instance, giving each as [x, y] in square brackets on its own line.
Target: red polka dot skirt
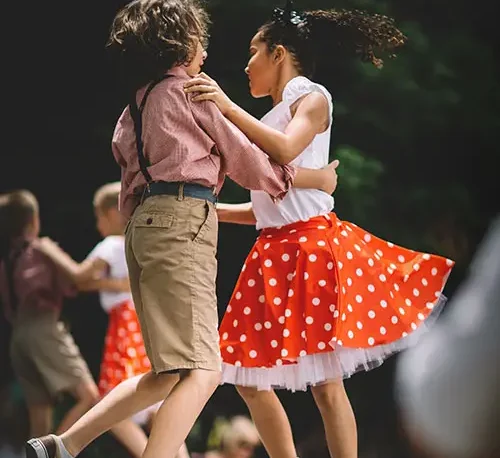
[124, 352]
[323, 299]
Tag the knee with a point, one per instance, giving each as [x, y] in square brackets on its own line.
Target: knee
[250, 394]
[328, 396]
[203, 378]
[88, 394]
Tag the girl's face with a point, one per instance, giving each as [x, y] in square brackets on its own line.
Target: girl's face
[194, 67]
[261, 69]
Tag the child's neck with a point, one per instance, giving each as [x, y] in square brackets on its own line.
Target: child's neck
[287, 74]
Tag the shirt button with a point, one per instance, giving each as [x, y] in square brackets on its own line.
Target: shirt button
[149, 221]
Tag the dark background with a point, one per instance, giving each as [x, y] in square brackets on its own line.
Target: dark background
[417, 142]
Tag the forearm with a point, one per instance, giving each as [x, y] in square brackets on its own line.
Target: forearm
[236, 213]
[311, 179]
[70, 267]
[114, 285]
[272, 141]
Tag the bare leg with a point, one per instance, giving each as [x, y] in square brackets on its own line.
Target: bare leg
[271, 421]
[86, 395]
[128, 398]
[40, 416]
[338, 419]
[131, 436]
[178, 413]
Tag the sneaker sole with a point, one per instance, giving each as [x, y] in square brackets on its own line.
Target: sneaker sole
[36, 449]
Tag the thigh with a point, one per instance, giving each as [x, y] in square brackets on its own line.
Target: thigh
[174, 243]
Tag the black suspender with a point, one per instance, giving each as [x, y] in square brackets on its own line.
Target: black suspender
[136, 113]
[10, 266]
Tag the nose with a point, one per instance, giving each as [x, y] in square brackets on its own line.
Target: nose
[247, 70]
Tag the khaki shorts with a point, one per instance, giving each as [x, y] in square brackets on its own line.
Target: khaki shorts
[46, 360]
[171, 244]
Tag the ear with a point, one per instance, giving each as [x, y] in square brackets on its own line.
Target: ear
[279, 54]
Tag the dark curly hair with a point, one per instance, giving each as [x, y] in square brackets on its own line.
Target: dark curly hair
[313, 36]
[148, 37]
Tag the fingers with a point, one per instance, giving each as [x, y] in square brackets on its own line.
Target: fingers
[206, 96]
[199, 88]
[335, 163]
[204, 76]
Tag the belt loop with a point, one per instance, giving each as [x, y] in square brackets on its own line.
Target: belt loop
[143, 194]
[180, 196]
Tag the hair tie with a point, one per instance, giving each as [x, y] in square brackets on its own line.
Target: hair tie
[287, 15]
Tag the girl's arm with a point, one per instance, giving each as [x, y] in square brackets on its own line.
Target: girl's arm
[236, 213]
[311, 117]
[113, 285]
[80, 274]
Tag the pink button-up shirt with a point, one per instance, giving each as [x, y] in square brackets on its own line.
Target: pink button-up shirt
[187, 141]
[38, 285]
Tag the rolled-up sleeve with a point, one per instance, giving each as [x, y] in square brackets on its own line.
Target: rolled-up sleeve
[242, 161]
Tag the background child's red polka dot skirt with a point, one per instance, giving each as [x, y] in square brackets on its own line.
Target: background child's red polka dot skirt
[322, 299]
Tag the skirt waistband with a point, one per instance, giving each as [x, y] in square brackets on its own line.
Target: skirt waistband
[316, 222]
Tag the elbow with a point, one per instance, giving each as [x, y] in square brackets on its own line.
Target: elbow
[285, 154]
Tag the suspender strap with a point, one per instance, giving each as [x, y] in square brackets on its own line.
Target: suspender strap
[136, 113]
[10, 265]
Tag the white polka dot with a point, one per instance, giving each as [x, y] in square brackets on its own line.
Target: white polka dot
[284, 241]
[303, 335]
[247, 310]
[340, 343]
[367, 238]
[424, 282]
[258, 327]
[306, 276]
[273, 282]
[321, 243]
[281, 320]
[243, 338]
[416, 292]
[380, 253]
[329, 266]
[383, 331]
[268, 263]
[262, 299]
[349, 308]
[396, 287]
[401, 258]
[390, 244]
[302, 353]
[284, 353]
[390, 271]
[259, 271]
[414, 326]
[277, 301]
[421, 316]
[267, 325]
[382, 278]
[230, 349]
[321, 345]
[401, 311]
[394, 320]
[292, 231]
[359, 299]
[328, 327]
[336, 241]
[371, 288]
[449, 262]
[357, 247]
[316, 301]
[235, 323]
[251, 283]
[371, 263]
[289, 277]
[244, 268]
[290, 293]
[437, 294]
[359, 325]
[266, 246]
[313, 258]
[343, 289]
[344, 233]
[434, 271]
[404, 334]
[321, 227]
[408, 302]
[255, 255]
[371, 341]
[332, 307]
[426, 256]
[286, 333]
[391, 294]
[288, 313]
[131, 352]
[359, 272]
[309, 320]
[350, 334]
[225, 336]
[349, 255]
[229, 309]
[336, 314]
[340, 265]
[237, 363]
[279, 362]
[253, 354]
[371, 314]
[349, 281]
[322, 283]
[303, 239]
[406, 278]
[285, 257]
[416, 267]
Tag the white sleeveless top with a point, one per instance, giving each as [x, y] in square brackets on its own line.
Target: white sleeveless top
[298, 204]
